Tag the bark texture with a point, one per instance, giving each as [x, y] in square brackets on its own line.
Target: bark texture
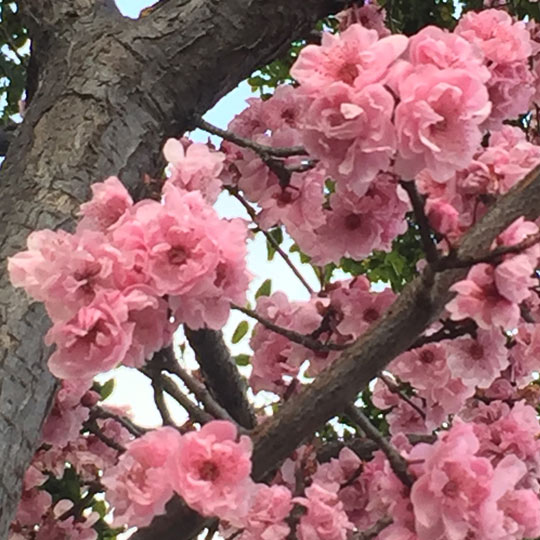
[105, 92]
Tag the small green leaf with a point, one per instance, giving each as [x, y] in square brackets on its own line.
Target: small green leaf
[265, 289]
[106, 389]
[277, 236]
[240, 332]
[100, 507]
[242, 359]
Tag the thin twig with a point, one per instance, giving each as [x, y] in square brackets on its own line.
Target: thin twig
[261, 149]
[92, 427]
[493, 256]
[373, 531]
[417, 202]
[199, 390]
[397, 462]
[159, 400]
[77, 509]
[270, 239]
[295, 337]
[134, 429]
[394, 388]
[169, 386]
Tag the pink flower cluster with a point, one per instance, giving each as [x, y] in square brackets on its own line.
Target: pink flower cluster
[348, 310]
[118, 287]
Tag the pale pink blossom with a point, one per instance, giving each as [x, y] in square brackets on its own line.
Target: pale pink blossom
[479, 361]
[269, 508]
[138, 487]
[194, 167]
[325, 518]
[210, 471]
[478, 298]
[355, 57]
[95, 340]
[351, 132]
[437, 121]
[502, 39]
[110, 200]
[443, 49]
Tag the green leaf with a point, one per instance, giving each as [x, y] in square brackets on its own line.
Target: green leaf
[242, 359]
[240, 332]
[100, 507]
[277, 236]
[265, 289]
[106, 389]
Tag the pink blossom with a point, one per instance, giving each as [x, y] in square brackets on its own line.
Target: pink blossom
[210, 471]
[325, 518]
[442, 216]
[68, 413]
[443, 49]
[270, 506]
[511, 89]
[502, 39]
[437, 121]
[355, 57]
[479, 361]
[138, 487]
[34, 502]
[195, 167]
[95, 340]
[452, 485]
[110, 200]
[478, 298]
[351, 132]
[64, 271]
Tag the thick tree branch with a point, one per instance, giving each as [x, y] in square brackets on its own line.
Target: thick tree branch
[104, 92]
[420, 303]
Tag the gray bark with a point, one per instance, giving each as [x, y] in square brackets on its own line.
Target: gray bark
[105, 92]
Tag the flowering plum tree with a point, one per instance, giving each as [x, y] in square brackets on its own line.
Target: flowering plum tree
[404, 164]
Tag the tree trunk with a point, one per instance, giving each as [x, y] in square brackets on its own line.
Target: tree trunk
[105, 92]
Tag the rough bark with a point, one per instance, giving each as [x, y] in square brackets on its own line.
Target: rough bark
[105, 92]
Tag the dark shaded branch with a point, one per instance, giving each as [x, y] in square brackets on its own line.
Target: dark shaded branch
[169, 386]
[417, 202]
[494, 256]
[306, 341]
[134, 429]
[397, 462]
[450, 330]
[92, 427]
[221, 374]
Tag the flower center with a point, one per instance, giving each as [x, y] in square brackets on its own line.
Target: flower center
[348, 73]
[209, 471]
